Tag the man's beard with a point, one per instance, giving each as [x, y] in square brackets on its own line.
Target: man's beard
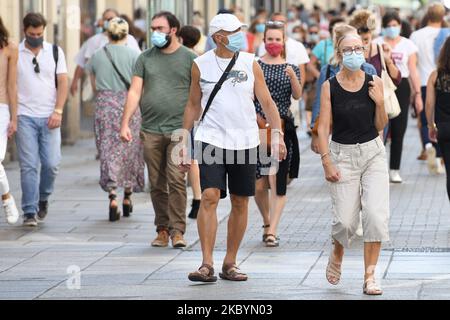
[169, 42]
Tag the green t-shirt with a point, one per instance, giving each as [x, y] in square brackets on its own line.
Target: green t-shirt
[106, 78]
[167, 81]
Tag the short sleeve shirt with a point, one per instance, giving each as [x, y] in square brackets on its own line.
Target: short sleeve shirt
[167, 80]
[279, 85]
[106, 77]
[401, 54]
[37, 91]
[324, 51]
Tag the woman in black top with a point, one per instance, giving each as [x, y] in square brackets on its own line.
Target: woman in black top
[438, 107]
[355, 162]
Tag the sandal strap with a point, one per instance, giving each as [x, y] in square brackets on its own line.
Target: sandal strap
[210, 269]
[371, 285]
[113, 197]
[233, 270]
[334, 269]
[128, 195]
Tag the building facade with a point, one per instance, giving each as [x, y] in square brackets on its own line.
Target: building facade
[71, 22]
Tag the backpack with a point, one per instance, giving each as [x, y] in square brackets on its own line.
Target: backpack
[439, 42]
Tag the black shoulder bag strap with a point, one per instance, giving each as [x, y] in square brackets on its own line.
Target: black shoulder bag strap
[219, 84]
[328, 72]
[125, 82]
[56, 58]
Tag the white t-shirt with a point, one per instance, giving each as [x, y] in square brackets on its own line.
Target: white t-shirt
[37, 91]
[295, 51]
[424, 40]
[401, 53]
[93, 44]
[230, 123]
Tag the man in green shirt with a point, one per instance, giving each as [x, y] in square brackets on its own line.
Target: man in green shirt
[161, 83]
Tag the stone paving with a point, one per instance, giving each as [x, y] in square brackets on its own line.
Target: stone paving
[117, 262]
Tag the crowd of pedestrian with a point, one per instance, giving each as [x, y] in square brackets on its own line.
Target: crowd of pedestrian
[223, 104]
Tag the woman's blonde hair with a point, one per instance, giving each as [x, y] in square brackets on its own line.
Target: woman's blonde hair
[340, 32]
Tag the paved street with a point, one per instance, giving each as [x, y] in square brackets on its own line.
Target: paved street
[117, 262]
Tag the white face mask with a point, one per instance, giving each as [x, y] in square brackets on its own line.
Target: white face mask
[298, 37]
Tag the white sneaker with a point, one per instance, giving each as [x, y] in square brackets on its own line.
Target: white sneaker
[440, 169]
[395, 176]
[431, 158]
[11, 212]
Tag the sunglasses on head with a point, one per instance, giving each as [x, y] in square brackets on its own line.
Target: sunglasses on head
[276, 24]
[37, 69]
[363, 30]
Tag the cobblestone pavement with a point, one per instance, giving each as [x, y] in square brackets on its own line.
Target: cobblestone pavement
[117, 262]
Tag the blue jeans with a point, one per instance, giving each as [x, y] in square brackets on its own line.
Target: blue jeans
[37, 146]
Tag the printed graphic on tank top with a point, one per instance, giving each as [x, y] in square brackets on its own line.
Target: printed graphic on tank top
[230, 123]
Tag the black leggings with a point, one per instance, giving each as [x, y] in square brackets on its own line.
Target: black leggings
[398, 125]
[445, 149]
[444, 144]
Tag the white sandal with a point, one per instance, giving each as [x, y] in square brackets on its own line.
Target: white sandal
[371, 288]
[333, 271]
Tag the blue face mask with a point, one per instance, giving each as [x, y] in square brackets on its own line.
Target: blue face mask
[159, 39]
[391, 32]
[260, 28]
[354, 61]
[291, 15]
[235, 42]
[98, 30]
[314, 38]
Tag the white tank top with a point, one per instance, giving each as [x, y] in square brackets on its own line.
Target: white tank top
[231, 120]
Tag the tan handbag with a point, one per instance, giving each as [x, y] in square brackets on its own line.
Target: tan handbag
[391, 103]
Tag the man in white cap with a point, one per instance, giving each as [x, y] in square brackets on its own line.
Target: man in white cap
[227, 139]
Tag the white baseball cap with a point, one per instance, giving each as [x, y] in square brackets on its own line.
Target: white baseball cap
[226, 22]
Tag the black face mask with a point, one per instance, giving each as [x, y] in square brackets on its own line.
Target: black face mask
[34, 42]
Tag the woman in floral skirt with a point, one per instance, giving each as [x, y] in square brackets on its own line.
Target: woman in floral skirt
[122, 164]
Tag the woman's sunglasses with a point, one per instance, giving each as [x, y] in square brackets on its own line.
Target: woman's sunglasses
[275, 24]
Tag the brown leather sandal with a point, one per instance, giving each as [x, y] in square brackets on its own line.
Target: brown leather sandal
[264, 237]
[199, 276]
[232, 273]
[272, 241]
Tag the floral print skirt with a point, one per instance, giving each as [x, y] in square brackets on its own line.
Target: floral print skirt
[121, 164]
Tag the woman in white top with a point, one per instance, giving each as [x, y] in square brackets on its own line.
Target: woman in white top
[8, 114]
[404, 54]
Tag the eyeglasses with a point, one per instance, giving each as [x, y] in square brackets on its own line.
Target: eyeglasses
[37, 69]
[347, 51]
[276, 24]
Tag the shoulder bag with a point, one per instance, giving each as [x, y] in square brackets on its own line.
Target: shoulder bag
[391, 103]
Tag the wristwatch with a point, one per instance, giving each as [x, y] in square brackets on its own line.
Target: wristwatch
[57, 111]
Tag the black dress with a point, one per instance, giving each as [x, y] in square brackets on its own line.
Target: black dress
[280, 88]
